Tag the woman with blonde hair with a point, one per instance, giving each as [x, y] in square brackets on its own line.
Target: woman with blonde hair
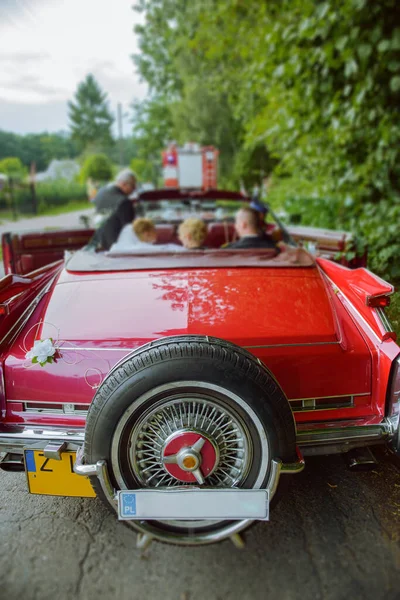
[140, 233]
[192, 232]
[145, 230]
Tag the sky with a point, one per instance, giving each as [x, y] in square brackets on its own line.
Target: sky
[48, 46]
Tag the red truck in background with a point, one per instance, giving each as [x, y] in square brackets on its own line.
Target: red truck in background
[190, 166]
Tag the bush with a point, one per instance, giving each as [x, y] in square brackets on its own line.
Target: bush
[12, 167]
[97, 167]
[54, 193]
[58, 193]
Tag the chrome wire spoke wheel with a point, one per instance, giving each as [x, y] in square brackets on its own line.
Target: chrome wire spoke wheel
[189, 434]
[189, 441]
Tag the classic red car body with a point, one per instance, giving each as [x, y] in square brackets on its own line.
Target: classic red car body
[319, 328]
[320, 332]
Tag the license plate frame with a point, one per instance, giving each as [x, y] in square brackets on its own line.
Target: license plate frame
[52, 477]
[231, 504]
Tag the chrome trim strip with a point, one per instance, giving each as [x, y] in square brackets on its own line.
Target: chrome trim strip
[309, 404]
[313, 437]
[328, 397]
[293, 345]
[98, 349]
[245, 347]
[386, 324]
[333, 397]
[48, 402]
[56, 411]
[89, 403]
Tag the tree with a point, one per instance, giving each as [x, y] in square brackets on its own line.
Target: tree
[143, 169]
[90, 116]
[12, 167]
[97, 167]
[39, 148]
[56, 146]
[152, 129]
[313, 90]
[187, 92]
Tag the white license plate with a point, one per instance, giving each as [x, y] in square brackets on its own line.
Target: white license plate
[184, 504]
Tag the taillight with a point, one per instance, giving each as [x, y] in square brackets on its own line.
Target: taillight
[378, 301]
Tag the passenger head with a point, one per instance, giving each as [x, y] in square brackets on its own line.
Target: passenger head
[192, 233]
[126, 181]
[247, 222]
[145, 230]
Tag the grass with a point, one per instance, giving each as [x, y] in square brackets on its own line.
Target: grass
[72, 206]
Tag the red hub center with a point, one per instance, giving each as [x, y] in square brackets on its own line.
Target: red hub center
[185, 440]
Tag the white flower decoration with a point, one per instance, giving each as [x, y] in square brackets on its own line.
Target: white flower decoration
[43, 352]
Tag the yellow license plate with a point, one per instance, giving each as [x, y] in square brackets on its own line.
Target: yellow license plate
[55, 477]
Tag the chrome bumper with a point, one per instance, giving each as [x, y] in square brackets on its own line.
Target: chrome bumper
[15, 439]
[310, 441]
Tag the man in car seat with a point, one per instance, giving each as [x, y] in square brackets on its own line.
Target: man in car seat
[247, 225]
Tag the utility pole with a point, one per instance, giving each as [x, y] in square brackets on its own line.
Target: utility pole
[120, 136]
[32, 177]
[12, 198]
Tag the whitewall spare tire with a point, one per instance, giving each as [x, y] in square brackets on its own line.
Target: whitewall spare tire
[189, 392]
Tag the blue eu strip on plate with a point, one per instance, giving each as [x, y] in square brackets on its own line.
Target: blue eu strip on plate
[30, 461]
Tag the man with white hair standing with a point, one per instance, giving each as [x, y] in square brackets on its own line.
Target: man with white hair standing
[115, 198]
[109, 196]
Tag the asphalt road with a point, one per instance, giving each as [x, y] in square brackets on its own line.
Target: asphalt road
[66, 221]
[335, 535]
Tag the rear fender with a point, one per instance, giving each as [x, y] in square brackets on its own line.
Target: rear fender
[18, 298]
[367, 293]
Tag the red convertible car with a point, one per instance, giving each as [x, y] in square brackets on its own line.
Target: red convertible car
[182, 387]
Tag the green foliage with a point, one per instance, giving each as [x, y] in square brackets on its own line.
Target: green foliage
[90, 116]
[143, 169]
[12, 167]
[394, 312]
[311, 89]
[48, 194]
[152, 126]
[186, 102]
[97, 167]
[38, 148]
[124, 149]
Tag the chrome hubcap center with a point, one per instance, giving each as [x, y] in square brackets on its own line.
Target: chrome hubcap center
[188, 460]
[189, 456]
